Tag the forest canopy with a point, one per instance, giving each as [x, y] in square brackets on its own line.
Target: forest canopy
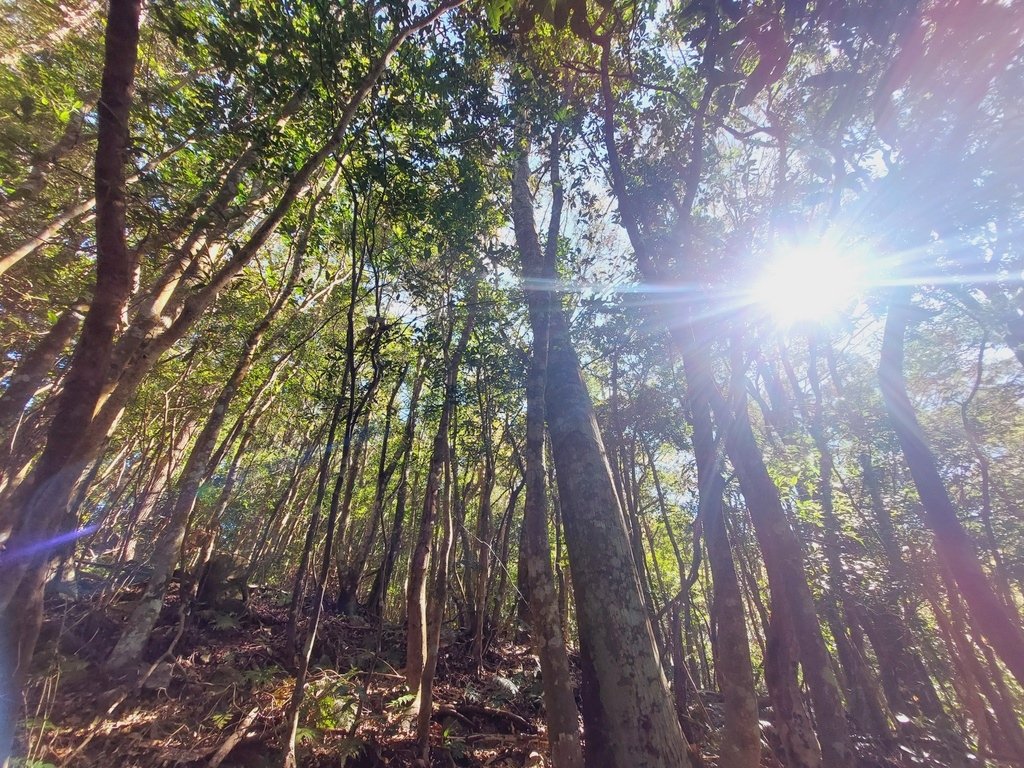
[479, 382]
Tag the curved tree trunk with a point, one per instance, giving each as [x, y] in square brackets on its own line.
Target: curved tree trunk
[993, 619]
[129, 647]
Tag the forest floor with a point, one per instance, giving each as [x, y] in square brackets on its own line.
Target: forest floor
[220, 700]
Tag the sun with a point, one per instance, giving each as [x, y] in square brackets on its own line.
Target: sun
[808, 284]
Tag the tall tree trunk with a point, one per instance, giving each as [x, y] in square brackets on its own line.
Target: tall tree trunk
[323, 475]
[741, 740]
[355, 564]
[792, 601]
[971, 430]
[994, 620]
[273, 519]
[780, 672]
[865, 705]
[628, 713]
[482, 564]
[44, 497]
[352, 475]
[160, 480]
[889, 625]
[546, 628]
[299, 689]
[781, 655]
[417, 608]
[356, 403]
[436, 600]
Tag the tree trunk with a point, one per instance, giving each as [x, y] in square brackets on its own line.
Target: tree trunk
[436, 600]
[792, 601]
[546, 628]
[44, 497]
[861, 687]
[741, 740]
[953, 544]
[482, 564]
[348, 590]
[627, 708]
[382, 581]
[30, 375]
[418, 677]
[129, 647]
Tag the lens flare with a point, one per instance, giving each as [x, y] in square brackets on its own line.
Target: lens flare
[808, 284]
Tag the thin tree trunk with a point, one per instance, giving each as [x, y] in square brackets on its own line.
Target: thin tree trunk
[861, 687]
[382, 581]
[478, 609]
[323, 474]
[741, 740]
[160, 481]
[421, 646]
[984, 469]
[286, 498]
[356, 561]
[43, 163]
[436, 600]
[792, 601]
[129, 647]
[30, 375]
[351, 445]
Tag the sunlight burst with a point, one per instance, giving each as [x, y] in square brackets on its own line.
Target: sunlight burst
[808, 284]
